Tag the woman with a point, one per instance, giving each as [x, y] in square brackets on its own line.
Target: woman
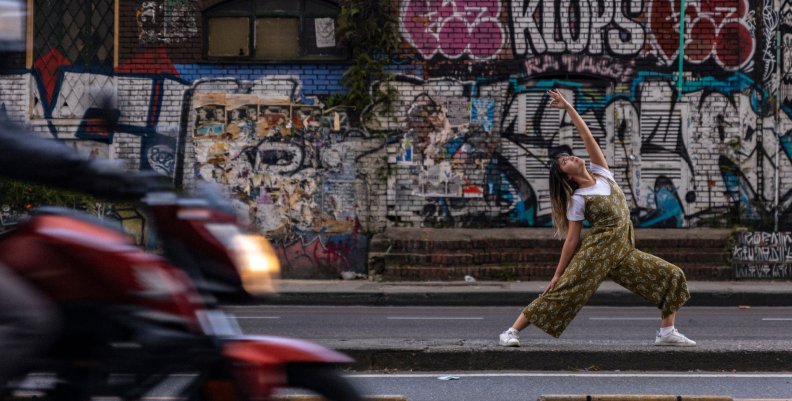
[607, 251]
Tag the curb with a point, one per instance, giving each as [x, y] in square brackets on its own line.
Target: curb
[570, 359]
[618, 397]
[319, 398]
[511, 299]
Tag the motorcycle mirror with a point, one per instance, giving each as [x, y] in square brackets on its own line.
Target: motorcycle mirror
[12, 26]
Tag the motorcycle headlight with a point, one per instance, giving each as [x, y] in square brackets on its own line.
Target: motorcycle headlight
[257, 263]
[255, 259]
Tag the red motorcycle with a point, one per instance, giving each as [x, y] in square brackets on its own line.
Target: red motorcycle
[136, 325]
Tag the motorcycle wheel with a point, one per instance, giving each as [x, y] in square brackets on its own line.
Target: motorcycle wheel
[323, 380]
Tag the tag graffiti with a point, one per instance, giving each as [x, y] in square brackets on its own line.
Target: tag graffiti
[617, 69]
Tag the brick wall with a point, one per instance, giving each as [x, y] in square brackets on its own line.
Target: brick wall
[469, 135]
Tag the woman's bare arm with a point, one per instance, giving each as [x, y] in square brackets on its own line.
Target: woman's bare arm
[570, 246]
[593, 149]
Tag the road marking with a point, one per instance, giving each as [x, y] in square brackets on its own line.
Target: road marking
[258, 317]
[651, 375]
[624, 318]
[432, 318]
[776, 318]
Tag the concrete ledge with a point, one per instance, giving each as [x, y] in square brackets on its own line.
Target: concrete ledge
[318, 398]
[617, 397]
[558, 355]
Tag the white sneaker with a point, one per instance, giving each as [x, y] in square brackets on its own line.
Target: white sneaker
[673, 339]
[510, 338]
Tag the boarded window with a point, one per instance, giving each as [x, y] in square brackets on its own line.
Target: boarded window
[76, 34]
[277, 37]
[229, 37]
[282, 29]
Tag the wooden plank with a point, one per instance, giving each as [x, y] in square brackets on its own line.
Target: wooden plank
[29, 34]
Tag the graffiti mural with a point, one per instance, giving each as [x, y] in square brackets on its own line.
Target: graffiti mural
[695, 149]
[457, 174]
[290, 169]
[582, 25]
[715, 29]
[468, 136]
[453, 28]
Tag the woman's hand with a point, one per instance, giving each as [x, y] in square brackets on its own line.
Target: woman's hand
[557, 100]
[551, 285]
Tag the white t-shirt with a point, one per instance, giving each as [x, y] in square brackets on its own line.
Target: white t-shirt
[577, 206]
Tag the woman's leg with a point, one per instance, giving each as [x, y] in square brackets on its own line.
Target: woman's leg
[668, 321]
[654, 279]
[521, 323]
[660, 283]
[553, 311]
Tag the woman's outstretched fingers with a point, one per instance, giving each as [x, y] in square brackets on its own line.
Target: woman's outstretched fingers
[557, 100]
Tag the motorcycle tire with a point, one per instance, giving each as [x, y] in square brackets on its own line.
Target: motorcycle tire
[323, 380]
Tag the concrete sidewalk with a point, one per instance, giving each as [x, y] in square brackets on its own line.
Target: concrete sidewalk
[497, 293]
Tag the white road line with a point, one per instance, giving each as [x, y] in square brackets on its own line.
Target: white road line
[624, 318]
[432, 318]
[258, 317]
[648, 375]
[776, 318]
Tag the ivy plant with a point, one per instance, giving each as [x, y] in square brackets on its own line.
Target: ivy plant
[369, 29]
[20, 196]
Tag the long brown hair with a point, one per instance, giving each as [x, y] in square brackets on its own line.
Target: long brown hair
[561, 190]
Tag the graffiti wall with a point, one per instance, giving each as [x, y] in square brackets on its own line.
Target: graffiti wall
[289, 165]
[762, 255]
[294, 169]
[697, 134]
[704, 146]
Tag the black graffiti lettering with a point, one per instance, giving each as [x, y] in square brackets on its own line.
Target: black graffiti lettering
[522, 18]
[598, 23]
[550, 19]
[628, 38]
[583, 25]
[576, 41]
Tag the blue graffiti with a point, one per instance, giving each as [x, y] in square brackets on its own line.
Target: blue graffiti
[738, 189]
[786, 144]
[668, 211]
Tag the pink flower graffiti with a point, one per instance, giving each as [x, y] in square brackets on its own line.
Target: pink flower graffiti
[453, 28]
[713, 28]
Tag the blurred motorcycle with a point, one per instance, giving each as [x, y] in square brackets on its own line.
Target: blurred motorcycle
[138, 325]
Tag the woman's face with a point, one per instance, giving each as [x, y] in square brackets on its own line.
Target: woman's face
[570, 165]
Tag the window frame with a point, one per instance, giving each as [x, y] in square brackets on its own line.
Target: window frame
[49, 113]
[252, 15]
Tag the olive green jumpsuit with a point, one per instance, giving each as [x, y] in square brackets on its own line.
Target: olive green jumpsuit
[608, 251]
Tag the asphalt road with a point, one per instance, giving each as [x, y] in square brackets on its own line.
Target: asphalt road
[596, 324]
[488, 386]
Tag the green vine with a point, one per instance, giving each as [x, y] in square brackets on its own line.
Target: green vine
[20, 196]
[369, 29]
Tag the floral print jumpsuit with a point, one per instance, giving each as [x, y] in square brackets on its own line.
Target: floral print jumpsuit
[608, 251]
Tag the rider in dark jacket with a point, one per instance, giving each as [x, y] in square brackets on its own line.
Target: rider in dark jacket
[28, 321]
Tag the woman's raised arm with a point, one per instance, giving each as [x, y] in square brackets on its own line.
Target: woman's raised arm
[558, 101]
